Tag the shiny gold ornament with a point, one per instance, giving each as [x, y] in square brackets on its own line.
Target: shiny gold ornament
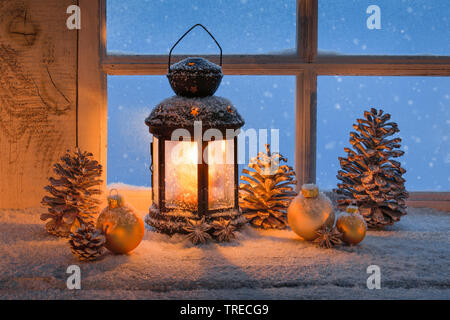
[352, 226]
[309, 211]
[122, 227]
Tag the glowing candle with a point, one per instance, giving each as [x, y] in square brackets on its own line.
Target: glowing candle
[181, 175]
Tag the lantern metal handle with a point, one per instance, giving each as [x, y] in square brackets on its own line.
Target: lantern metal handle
[197, 25]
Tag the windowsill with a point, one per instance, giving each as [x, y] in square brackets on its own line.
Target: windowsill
[141, 198]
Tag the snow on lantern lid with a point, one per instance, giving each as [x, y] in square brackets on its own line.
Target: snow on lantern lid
[181, 112]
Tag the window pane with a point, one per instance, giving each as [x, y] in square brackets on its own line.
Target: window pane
[418, 27]
[420, 106]
[240, 26]
[265, 102]
[220, 174]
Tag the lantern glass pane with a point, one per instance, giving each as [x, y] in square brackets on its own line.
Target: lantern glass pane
[181, 175]
[221, 181]
[155, 184]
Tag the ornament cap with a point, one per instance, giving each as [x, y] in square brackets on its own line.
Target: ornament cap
[310, 190]
[116, 200]
[352, 209]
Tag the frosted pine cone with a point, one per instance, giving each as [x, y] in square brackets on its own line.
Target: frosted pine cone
[369, 177]
[71, 198]
[87, 243]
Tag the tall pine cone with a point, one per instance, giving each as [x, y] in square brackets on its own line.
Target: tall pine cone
[370, 178]
[266, 192]
[87, 243]
[72, 200]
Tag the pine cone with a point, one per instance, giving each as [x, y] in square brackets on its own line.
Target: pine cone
[266, 192]
[72, 199]
[224, 230]
[197, 231]
[370, 178]
[328, 237]
[87, 243]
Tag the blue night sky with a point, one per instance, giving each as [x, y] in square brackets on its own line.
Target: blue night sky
[420, 105]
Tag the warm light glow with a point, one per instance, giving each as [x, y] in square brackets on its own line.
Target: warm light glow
[220, 174]
[155, 162]
[181, 174]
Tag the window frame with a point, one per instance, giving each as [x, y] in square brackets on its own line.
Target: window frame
[95, 64]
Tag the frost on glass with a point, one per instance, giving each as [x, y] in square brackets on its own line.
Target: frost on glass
[420, 106]
[240, 26]
[220, 174]
[181, 162]
[419, 27]
[265, 103]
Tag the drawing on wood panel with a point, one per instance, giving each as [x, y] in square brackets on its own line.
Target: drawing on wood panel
[37, 92]
[26, 102]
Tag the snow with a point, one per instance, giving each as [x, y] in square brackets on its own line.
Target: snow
[176, 112]
[413, 255]
[120, 185]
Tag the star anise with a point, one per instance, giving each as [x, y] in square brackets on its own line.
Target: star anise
[328, 237]
[224, 230]
[197, 231]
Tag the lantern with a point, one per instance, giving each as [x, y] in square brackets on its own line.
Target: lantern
[194, 156]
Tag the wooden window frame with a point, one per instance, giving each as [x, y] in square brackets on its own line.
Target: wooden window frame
[305, 64]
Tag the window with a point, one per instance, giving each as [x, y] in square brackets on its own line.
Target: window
[309, 40]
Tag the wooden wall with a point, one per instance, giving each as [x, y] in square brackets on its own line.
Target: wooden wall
[38, 88]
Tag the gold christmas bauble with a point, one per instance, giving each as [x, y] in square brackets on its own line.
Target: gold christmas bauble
[309, 211]
[352, 226]
[123, 228]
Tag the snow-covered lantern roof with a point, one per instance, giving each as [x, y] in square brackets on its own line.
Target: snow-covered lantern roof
[194, 150]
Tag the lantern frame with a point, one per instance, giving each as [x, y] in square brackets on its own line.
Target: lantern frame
[176, 113]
